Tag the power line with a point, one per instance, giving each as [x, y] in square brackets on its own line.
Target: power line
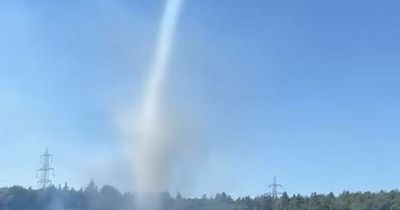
[43, 173]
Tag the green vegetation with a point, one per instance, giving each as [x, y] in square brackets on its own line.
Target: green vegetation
[108, 198]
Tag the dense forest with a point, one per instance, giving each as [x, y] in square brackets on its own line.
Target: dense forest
[108, 198]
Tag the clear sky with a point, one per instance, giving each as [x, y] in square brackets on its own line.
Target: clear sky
[306, 90]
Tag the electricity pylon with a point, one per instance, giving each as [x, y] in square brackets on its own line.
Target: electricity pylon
[274, 186]
[43, 173]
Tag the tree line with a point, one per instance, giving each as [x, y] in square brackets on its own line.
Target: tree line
[109, 198]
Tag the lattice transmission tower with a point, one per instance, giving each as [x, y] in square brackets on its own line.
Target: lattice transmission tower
[275, 193]
[43, 173]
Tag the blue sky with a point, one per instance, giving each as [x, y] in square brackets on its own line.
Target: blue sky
[305, 90]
